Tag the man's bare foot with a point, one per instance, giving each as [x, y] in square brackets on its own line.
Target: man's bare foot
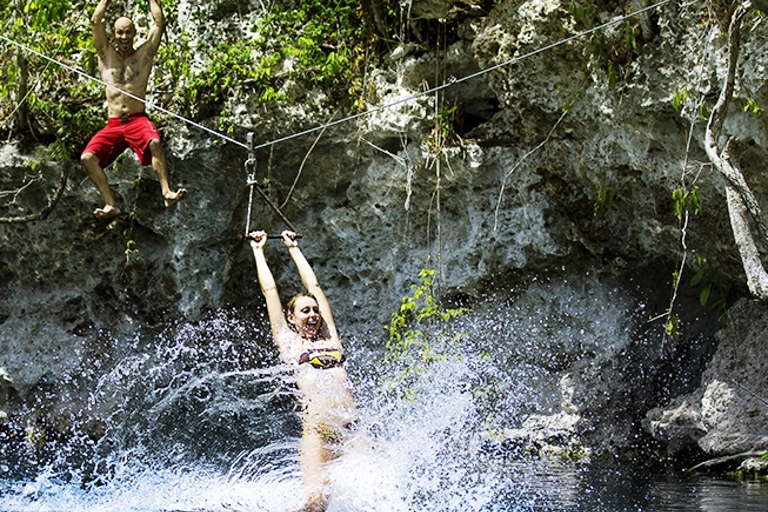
[107, 212]
[171, 198]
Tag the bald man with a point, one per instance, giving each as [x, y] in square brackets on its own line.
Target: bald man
[126, 69]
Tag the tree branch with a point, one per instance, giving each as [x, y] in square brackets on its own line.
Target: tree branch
[51, 204]
[741, 200]
[736, 178]
[726, 459]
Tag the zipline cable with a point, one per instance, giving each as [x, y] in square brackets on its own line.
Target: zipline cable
[452, 81]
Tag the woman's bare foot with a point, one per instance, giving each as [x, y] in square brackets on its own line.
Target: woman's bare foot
[312, 507]
[314, 504]
[171, 198]
[107, 212]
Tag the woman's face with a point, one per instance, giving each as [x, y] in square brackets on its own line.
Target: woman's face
[306, 317]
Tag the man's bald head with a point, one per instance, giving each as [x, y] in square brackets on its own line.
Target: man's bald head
[125, 32]
[124, 22]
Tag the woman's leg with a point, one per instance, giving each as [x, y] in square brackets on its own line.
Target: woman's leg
[313, 456]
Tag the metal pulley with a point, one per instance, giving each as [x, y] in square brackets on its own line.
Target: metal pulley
[250, 181]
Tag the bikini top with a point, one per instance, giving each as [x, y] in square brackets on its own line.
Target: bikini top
[323, 358]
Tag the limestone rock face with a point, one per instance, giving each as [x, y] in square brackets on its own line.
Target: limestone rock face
[629, 140]
[554, 165]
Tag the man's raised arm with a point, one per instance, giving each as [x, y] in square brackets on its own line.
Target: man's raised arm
[100, 39]
[156, 31]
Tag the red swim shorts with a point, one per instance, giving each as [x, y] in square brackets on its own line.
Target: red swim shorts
[133, 130]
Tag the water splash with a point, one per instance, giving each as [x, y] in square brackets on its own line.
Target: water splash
[202, 417]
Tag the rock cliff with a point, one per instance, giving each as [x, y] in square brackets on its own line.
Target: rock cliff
[557, 167]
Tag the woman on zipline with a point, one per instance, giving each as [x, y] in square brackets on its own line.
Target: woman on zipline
[307, 339]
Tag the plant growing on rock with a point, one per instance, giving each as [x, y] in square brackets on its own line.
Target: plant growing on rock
[311, 42]
[418, 335]
[753, 107]
[744, 211]
[609, 53]
[34, 104]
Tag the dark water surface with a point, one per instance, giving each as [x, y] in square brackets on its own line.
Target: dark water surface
[590, 489]
[632, 490]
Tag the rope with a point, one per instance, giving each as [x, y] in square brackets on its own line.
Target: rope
[452, 81]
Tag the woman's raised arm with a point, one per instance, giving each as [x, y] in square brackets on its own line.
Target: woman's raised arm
[277, 320]
[309, 279]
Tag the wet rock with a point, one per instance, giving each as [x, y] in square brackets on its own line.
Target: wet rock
[753, 467]
[548, 436]
[729, 411]
[6, 391]
[679, 427]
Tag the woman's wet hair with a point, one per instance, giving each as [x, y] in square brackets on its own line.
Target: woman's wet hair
[292, 302]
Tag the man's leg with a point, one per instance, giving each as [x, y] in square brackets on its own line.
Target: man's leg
[99, 178]
[160, 165]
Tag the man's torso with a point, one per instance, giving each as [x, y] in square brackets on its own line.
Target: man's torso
[127, 73]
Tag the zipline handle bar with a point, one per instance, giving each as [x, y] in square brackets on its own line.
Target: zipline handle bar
[280, 237]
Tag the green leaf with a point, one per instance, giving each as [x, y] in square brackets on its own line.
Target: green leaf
[698, 276]
[679, 98]
[673, 328]
[704, 295]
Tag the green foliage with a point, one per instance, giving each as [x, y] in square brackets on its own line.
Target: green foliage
[673, 326]
[47, 27]
[418, 335]
[604, 197]
[583, 12]
[753, 107]
[683, 200]
[130, 247]
[312, 42]
[597, 53]
[610, 56]
[630, 35]
[229, 65]
[704, 111]
[445, 120]
[714, 293]
[226, 125]
[680, 97]
[318, 36]
[444, 131]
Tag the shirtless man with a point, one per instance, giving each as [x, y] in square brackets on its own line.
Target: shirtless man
[126, 68]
